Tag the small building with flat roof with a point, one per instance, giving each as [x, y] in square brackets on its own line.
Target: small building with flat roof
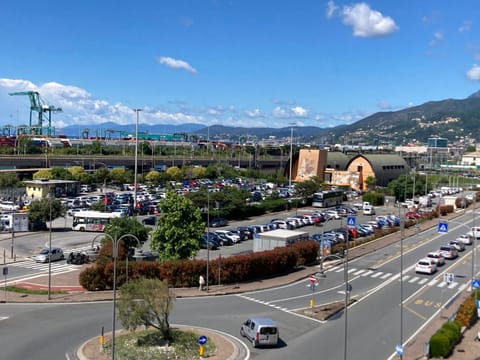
[40, 188]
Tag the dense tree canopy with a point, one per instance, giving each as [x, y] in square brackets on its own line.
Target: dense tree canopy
[122, 226]
[42, 209]
[179, 230]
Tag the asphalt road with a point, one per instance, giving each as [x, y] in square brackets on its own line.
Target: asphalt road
[374, 324]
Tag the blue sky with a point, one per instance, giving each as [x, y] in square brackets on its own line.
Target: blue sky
[248, 63]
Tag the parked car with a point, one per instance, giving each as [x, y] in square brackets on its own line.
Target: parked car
[369, 210]
[425, 266]
[449, 252]
[247, 230]
[208, 244]
[209, 241]
[260, 331]
[43, 256]
[218, 222]
[234, 237]
[150, 220]
[437, 257]
[412, 215]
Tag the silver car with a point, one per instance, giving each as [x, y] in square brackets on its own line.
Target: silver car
[459, 245]
[42, 256]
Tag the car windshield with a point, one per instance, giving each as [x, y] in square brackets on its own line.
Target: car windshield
[44, 252]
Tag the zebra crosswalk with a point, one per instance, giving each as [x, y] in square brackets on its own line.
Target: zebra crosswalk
[61, 266]
[411, 279]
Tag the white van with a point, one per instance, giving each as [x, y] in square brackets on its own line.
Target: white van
[260, 331]
[474, 232]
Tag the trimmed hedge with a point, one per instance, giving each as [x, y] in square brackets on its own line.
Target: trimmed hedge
[444, 340]
[185, 273]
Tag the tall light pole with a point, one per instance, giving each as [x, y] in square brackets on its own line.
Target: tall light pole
[208, 237]
[347, 293]
[136, 160]
[50, 250]
[291, 158]
[115, 242]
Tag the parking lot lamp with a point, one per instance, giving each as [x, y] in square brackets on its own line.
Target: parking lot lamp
[136, 161]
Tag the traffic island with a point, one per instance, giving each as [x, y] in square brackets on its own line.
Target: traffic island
[325, 311]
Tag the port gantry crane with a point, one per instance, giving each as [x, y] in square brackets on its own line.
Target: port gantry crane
[37, 104]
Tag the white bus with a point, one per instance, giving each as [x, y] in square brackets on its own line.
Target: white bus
[90, 220]
[327, 198]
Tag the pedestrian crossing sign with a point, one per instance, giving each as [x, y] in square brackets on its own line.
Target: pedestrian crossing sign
[443, 227]
[351, 220]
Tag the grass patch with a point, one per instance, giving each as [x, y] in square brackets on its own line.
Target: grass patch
[148, 344]
[21, 290]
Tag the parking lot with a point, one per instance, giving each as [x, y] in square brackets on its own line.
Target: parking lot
[245, 247]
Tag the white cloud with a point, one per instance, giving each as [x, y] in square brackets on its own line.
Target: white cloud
[474, 73]
[367, 22]
[255, 113]
[80, 108]
[332, 9]
[466, 26]
[438, 35]
[299, 111]
[176, 64]
[295, 112]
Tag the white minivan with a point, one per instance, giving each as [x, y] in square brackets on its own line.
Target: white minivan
[260, 331]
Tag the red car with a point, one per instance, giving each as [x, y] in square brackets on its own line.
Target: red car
[412, 215]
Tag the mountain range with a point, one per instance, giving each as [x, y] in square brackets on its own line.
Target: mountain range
[457, 120]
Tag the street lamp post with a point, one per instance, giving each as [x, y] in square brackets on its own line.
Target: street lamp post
[208, 238]
[291, 159]
[136, 160]
[115, 241]
[50, 251]
[347, 292]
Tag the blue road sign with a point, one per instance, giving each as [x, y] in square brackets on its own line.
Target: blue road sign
[399, 349]
[202, 340]
[476, 284]
[351, 221]
[443, 227]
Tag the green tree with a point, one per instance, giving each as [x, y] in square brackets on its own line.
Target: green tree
[78, 173]
[174, 173]
[153, 177]
[146, 302]
[127, 225]
[40, 210]
[43, 174]
[8, 180]
[371, 182]
[60, 173]
[101, 175]
[309, 187]
[121, 176]
[180, 228]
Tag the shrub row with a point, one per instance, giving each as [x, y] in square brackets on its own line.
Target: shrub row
[444, 340]
[185, 273]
